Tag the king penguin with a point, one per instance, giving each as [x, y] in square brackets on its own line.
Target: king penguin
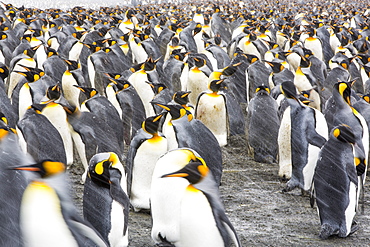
[307, 136]
[335, 184]
[145, 149]
[12, 186]
[106, 186]
[195, 203]
[263, 126]
[212, 111]
[48, 216]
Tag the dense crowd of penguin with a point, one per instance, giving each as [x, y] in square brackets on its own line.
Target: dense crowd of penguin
[146, 96]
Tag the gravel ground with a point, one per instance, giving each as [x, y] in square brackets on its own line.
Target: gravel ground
[260, 212]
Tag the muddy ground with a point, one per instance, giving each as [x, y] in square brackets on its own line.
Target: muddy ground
[260, 212]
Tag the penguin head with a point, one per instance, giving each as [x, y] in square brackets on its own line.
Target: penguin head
[289, 90]
[194, 172]
[54, 92]
[231, 69]
[344, 89]
[275, 66]
[366, 97]
[44, 168]
[262, 90]
[215, 85]
[151, 124]
[101, 166]
[251, 58]
[31, 74]
[199, 62]
[50, 51]
[149, 64]
[4, 71]
[89, 92]
[181, 97]
[344, 133]
[157, 88]
[72, 64]
[176, 111]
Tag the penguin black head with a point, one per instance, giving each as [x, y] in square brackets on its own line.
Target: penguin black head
[44, 168]
[54, 92]
[199, 62]
[305, 63]
[344, 89]
[366, 97]
[230, 70]
[31, 74]
[251, 58]
[50, 51]
[276, 67]
[149, 64]
[181, 97]
[72, 64]
[151, 124]
[89, 92]
[100, 167]
[215, 85]
[344, 133]
[194, 172]
[4, 71]
[157, 88]
[176, 111]
[263, 90]
[289, 90]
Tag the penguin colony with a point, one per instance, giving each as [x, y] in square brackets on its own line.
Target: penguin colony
[145, 97]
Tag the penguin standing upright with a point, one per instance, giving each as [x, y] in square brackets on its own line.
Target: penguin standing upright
[106, 186]
[212, 111]
[196, 204]
[185, 131]
[263, 126]
[41, 143]
[145, 149]
[304, 135]
[12, 186]
[335, 184]
[48, 216]
[197, 80]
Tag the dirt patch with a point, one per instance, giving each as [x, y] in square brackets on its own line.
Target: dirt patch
[254, 203]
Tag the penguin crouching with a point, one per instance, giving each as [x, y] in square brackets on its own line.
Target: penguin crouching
[335, 183]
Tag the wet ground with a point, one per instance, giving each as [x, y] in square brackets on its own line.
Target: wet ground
[260, 212]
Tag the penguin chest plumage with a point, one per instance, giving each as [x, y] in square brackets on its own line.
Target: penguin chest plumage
[25, 99]
[144, 162]
[211, 110]
[145, 92]
[41, 218]
[166, 196]
[284, 136]
[313, 151]
[197, 219]
[197, 83]
[170, 134]
[15, 77]
[70, 92]
[117, 225]
[314, 44]
[56, 114]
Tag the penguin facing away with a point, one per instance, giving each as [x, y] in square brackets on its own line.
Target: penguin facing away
[335, 184]
[145, 149]
[105, 201]
[263, 126]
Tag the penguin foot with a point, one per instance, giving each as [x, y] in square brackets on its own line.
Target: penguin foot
[354, 228]
[326, 231]
[164, 242]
